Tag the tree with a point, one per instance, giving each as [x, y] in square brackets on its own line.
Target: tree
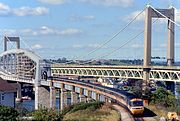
[45, 114]
[164, 97]
[137, 91]
[8, 113]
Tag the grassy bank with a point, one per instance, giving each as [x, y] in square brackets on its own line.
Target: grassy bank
[103, 113]
[163, 111]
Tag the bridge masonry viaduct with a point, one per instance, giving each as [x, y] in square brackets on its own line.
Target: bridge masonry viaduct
[24, 66]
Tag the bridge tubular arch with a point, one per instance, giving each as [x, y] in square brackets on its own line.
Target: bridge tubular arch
[22, 65]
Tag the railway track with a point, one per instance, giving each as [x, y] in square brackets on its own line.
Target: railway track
[139, 119]
[127, 116]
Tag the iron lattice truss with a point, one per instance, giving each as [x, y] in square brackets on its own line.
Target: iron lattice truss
[133, 72]
[18, 65]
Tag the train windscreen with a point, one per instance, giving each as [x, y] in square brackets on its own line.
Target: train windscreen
[137, 103]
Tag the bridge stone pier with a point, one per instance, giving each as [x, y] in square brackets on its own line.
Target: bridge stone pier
[46, 97]
[82, 97]
[74, 95]
[19, 95]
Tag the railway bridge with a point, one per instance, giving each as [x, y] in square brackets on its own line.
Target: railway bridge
[24, 66]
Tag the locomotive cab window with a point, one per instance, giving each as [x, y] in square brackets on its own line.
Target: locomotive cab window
[136, 103]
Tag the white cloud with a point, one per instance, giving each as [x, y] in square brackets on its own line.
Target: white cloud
[44, 30]
[164, 45]
[177, 13]
[89, 17]
[37, 46]
[77, 46]
[70, 31]
[177, 45]
[142, 16]
[24, 11]
[134, 14]
[86, 46]
[54, 2]
[76, 18]
[137, 46]
[5, 10]
[122, 3]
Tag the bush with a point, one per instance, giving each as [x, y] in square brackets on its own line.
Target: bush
[83, 106]
[8, 113]
[164, 98]
[45, 114]
[67, 109]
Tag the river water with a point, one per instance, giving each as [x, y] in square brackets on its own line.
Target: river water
[29, 104]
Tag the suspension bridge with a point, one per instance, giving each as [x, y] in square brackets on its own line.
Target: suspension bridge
[24, 66]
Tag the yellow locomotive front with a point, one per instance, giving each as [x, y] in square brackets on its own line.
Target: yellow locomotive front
[136, 106]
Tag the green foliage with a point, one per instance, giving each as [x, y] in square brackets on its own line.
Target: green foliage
[83, 106]
[137, 91]
[67, 109]
[178, 87]
[164, 98]
[8, 113]
[45, 114]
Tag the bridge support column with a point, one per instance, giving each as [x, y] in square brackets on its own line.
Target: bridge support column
[89, 97]
[52, 97]
[45, 97]
[146, 76]
[170, 49]
[107, 99]
[82, 98]
[19, 94]
[147, 37]
[97, 97]
[147, 46]
[36, 101]
[74, 96]
[63, 97]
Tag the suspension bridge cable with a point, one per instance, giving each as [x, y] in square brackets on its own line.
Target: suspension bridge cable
[114, 36]
[27, 45]
[115, 50]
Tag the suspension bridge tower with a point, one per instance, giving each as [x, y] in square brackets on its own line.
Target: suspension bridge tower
[150, 13]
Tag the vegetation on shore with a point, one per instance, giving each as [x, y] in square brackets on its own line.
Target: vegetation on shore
[93, 111]
[163, 101]
[8, 113]
[103, 113]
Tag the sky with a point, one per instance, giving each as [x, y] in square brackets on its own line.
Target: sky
[75, 28]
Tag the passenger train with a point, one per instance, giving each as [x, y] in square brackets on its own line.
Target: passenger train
[128, 100]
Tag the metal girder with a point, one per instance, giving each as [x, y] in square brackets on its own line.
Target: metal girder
[135, 72]
[99, 72]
